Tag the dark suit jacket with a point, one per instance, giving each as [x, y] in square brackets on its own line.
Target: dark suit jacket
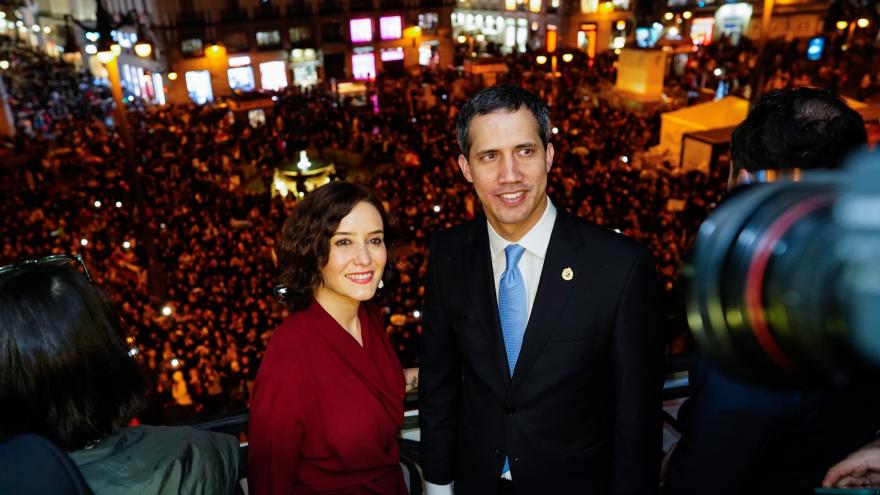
[582, 411]
[743, 438]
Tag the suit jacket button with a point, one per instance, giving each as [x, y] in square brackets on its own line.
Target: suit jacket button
[497, 452]
[509, 409]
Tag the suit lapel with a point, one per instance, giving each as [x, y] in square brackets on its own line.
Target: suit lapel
[552, 296]
[477, 262]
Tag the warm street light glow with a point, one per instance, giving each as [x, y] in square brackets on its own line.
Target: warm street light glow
[91, 49]
[863, 22]
[106, 57]
[461, 38]
[35, 28]
[541, 59]
[116, 49]
[47, 29]
[668, 16]
[687, 14]
[143, 49]
[126, 244]
[567, 57]
[842, 25]
[620, 25]
[4, 64]
[481, 37]
[172, 76]
[215, 48]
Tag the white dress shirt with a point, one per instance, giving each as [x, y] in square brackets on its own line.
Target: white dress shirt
[535, 242]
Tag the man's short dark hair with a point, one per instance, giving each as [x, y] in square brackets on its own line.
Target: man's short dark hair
[504, 97]
[802, 128]
[65, 368]
[304, 247]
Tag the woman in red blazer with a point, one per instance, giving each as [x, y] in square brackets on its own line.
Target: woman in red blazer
[328, 398]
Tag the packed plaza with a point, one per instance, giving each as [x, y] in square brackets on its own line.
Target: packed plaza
[206, 180]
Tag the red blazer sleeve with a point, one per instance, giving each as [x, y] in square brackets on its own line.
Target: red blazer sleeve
[275, 432]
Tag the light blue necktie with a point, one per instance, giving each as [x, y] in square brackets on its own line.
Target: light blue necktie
[512, 310]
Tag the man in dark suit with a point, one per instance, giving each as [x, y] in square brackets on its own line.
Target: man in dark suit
[541, 364]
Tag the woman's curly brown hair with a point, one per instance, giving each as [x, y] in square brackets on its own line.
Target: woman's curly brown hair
[304, 246]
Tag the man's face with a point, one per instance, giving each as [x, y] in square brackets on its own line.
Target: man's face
[508, 167]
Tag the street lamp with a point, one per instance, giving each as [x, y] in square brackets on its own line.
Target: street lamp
[108, 53]
[107, 50]
[143, 49]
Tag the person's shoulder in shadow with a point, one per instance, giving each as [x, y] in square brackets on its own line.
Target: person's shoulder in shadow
[161, 459]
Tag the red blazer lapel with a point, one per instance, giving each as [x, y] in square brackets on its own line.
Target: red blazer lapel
[374, 365]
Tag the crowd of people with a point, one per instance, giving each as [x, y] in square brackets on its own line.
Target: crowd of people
[215, 224]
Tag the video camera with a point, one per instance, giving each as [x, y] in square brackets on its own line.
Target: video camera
[784, 283]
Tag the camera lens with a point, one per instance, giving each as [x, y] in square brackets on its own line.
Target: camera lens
[763, 297]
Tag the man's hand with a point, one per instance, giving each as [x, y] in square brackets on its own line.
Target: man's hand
[861, 468]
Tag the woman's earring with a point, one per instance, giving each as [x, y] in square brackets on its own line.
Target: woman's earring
[381, 283]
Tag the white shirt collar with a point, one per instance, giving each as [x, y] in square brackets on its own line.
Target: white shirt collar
[536, 239]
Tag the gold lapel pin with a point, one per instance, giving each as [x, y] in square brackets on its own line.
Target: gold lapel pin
[567, 273]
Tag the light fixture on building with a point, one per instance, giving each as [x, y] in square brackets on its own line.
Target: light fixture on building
[107, 50]
[567, 57]
[541, 59]
[842, 25]
[863, 22]
[668, 16]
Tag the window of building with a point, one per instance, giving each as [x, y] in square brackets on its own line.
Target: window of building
[267, 39]
[331, 32]
[428, 22]
[241, 78]
[361, 30]
[236, 42]
[300, 33]
[192, 47]
[391, 27]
